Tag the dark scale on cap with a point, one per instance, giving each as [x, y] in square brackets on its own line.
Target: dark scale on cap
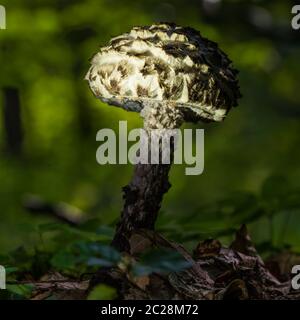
[168, 64]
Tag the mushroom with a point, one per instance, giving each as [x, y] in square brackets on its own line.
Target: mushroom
[170, 74]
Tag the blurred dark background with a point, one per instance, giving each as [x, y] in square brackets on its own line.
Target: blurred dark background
[49, 120]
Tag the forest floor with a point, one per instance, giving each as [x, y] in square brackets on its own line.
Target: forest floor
[210, 272]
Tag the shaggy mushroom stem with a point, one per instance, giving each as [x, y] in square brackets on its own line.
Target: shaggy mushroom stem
[144, 194]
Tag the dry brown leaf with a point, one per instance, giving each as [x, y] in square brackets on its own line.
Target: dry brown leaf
[142, 282]
[243, 242]
[139, 244]
[207, 248]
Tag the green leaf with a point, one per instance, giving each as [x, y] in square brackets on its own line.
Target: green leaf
[99, 250]
[93, 261]
[21, 257]
[161, 261]
[10, 270]
[106, 231]
[23, 290]
[64, 260]
[48, 227]
[85, 254]
[103, 292]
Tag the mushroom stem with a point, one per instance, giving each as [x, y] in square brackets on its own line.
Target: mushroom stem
[144, 194]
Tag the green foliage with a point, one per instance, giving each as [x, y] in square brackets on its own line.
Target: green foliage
[160, 261]
[86, 248]
[22, 291]
[102, 292]
[269, 214]
[85, 254]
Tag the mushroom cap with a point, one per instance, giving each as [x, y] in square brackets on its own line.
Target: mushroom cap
[168, 64]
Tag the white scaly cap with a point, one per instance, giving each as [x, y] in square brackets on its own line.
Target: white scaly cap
[168, 65]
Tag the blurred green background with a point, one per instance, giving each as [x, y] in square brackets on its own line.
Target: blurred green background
[48, 143]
